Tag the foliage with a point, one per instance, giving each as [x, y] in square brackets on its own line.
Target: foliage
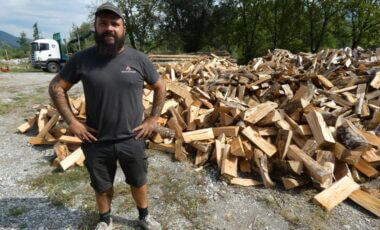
[36, 32]
[248, 28]
[80, 37]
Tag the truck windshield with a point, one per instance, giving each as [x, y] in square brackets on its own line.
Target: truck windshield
[34, 47]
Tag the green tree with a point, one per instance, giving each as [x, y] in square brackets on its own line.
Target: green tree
[363, 19]
[24, 44]
[80, 37]
[36, 32]
[142, 19]
[189, 21]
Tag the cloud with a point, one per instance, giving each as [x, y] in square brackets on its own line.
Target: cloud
[51, 15]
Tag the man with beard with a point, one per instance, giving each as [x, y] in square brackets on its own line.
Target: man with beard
[113, 77]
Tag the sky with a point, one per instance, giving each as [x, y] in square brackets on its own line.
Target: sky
[51, 16]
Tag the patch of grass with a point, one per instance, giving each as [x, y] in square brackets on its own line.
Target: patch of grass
[17, 211]
[21, 100]
[174, 194]
[290, 216]
[64, 188]
[21, 68]
[5, 108]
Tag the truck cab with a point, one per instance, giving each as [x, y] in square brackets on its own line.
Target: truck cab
[47, 54]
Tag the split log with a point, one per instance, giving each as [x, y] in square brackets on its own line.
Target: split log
[336, 193]
[315, 170]
[264, 145]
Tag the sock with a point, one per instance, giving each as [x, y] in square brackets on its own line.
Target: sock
[105, 217]
[143, 212]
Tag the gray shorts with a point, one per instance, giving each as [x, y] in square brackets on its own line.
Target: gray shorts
[101, 159]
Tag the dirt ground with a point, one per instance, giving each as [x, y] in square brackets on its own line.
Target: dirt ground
[35, 196]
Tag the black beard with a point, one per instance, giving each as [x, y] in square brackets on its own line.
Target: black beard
[108, 50]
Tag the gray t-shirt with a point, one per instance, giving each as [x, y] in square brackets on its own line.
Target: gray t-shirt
[113, 89]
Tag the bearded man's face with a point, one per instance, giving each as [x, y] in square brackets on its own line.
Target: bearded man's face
[109, 34]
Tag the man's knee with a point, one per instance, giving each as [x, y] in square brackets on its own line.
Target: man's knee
[106, 193]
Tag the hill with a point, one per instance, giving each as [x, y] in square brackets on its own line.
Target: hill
[9, 39]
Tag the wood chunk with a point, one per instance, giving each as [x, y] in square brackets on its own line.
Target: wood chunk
[219, 149]
[283, 140]
[198, 135]
[237, 147]
[203, 146]
[229, 164]
[169, 104]
[170, 148]
[245, 182]
[27, 125]
[336, 193]
[173, 125]
[245, 165]
[42, 119]
[37, 141]
[241, 92]
[259, 111]
[349, 156]
[270, 118]
[229, 131]
[366, 168]
[301, 99]
[248, 149]
[261, 161]
[255, 138]
[327, 160]
[40, 138]
[226, 119]
[319, 128]
[191, 116]
[314, 169]
[164, 132]
[70, 140]
[350, 136]
[372, 187]
[325, 82]
[180, 153]
[178, 117]
[360, 96]
[71, 159]
[375, 119]
[373, 95]
[375, 83]
[80, 161]
[268, 131]
[290, 183]
[310, 147]
[367, 201]
[296, 167]
[341, 170]
[180, 91]
[201, 158]
[50, 139]
[370, 156]
[156, 138]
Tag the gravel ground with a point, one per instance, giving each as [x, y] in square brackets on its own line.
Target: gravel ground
[180, 198]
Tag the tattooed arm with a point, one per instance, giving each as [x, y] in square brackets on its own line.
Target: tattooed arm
[147, 127]
[58, 92]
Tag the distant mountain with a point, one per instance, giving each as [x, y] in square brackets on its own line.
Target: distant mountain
[9, 39]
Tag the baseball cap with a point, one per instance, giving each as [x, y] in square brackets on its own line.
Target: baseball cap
[109, 7]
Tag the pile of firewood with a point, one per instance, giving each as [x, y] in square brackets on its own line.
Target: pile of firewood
[285, 118]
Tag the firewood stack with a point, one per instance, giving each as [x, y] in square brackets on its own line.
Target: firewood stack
[293, 119]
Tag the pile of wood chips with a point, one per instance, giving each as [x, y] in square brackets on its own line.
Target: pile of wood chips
[294, 119]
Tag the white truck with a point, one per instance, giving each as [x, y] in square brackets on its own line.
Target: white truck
[47, 54]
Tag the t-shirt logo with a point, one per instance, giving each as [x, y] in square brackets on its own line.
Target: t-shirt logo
[128, 69]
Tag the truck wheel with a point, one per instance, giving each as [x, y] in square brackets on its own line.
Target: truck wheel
[53, 67]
